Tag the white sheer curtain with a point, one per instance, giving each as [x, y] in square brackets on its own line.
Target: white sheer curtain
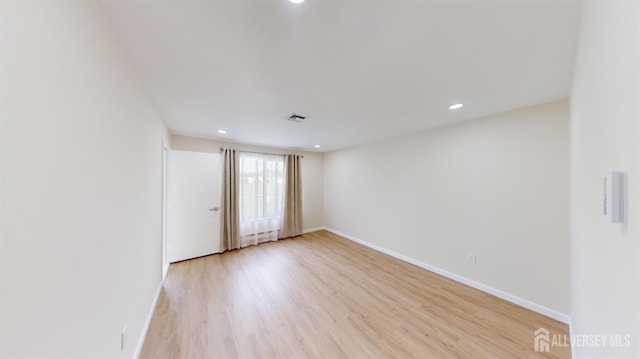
[261, 186]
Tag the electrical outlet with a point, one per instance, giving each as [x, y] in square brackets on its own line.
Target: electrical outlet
[471, 258]
[123, 338]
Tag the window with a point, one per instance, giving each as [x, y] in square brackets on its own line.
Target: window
[261, 180]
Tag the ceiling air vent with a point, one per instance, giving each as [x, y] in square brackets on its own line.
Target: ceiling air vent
[296, 118]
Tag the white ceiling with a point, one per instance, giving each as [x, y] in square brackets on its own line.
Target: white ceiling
[361, 70]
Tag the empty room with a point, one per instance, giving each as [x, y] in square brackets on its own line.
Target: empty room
[319, 179]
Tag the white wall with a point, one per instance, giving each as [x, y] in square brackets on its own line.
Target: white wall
[311, 171]
[497, 186]
[605, 125]
[80, 197]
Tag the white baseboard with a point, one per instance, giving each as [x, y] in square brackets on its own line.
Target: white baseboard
[314, 229]
[143, 335]
[571, 335]
[458, 278]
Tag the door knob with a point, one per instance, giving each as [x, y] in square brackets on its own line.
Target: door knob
[214, 208]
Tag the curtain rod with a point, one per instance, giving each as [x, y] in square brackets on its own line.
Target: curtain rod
[261, 153]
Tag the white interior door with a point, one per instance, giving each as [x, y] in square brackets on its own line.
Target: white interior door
[194, 194]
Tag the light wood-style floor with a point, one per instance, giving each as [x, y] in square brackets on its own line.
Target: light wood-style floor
[322, 296]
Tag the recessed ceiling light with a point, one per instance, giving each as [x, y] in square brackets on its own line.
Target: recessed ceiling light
[317, 146]
[222, 132]
[456, 106]
[296, 1]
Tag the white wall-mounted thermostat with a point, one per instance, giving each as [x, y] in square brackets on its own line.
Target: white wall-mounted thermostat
[614, 197]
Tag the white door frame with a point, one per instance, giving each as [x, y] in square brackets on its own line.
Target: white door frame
[165, 186]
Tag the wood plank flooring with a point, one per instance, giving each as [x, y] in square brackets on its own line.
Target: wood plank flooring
[322, 296]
